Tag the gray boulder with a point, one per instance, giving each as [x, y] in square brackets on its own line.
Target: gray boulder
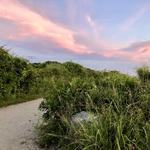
[83, 116]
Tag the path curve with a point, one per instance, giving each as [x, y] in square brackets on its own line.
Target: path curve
[17, 126]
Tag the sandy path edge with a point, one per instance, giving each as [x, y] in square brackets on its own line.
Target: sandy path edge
[17, 126]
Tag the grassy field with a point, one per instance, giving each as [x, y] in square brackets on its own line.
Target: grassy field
[120, 103]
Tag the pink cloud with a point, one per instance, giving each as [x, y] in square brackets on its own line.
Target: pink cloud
[33, 24]
[141, 52]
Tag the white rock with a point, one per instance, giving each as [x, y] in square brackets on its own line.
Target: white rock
[83, 116]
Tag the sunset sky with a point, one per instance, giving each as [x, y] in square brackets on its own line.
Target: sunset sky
[101, 34]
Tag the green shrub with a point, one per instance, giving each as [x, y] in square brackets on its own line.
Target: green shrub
[18, 79]
[144, 73]
[75, 69]
[116, 99]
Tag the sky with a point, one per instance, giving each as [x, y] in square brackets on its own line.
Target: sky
[100, 34]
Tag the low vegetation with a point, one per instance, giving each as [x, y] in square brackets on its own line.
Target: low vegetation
[21, 80]
[120, 103]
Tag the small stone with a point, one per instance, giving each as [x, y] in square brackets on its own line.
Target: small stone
[22, 142]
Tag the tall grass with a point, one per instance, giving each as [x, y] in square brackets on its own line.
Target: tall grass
[144, 73]
[119, 102]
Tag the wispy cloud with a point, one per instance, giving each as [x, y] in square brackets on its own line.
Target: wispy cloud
[138, 52]
[33, 24]
[94, 26]
[133, 19]
[90, 21]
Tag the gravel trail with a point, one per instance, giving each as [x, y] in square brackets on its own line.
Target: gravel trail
[17, 126]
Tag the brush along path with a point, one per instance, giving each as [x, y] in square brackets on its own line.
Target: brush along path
[17, 126]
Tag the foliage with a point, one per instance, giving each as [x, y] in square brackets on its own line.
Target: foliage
[144, 73]
[12, 71]
[21, 80]
[120, 102]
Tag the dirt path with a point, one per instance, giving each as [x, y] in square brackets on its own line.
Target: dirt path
[17, 126]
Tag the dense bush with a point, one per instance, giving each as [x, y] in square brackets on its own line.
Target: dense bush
[120, 102]
[144, 73]
[75, 69]
[13, 71]
[21, 80]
